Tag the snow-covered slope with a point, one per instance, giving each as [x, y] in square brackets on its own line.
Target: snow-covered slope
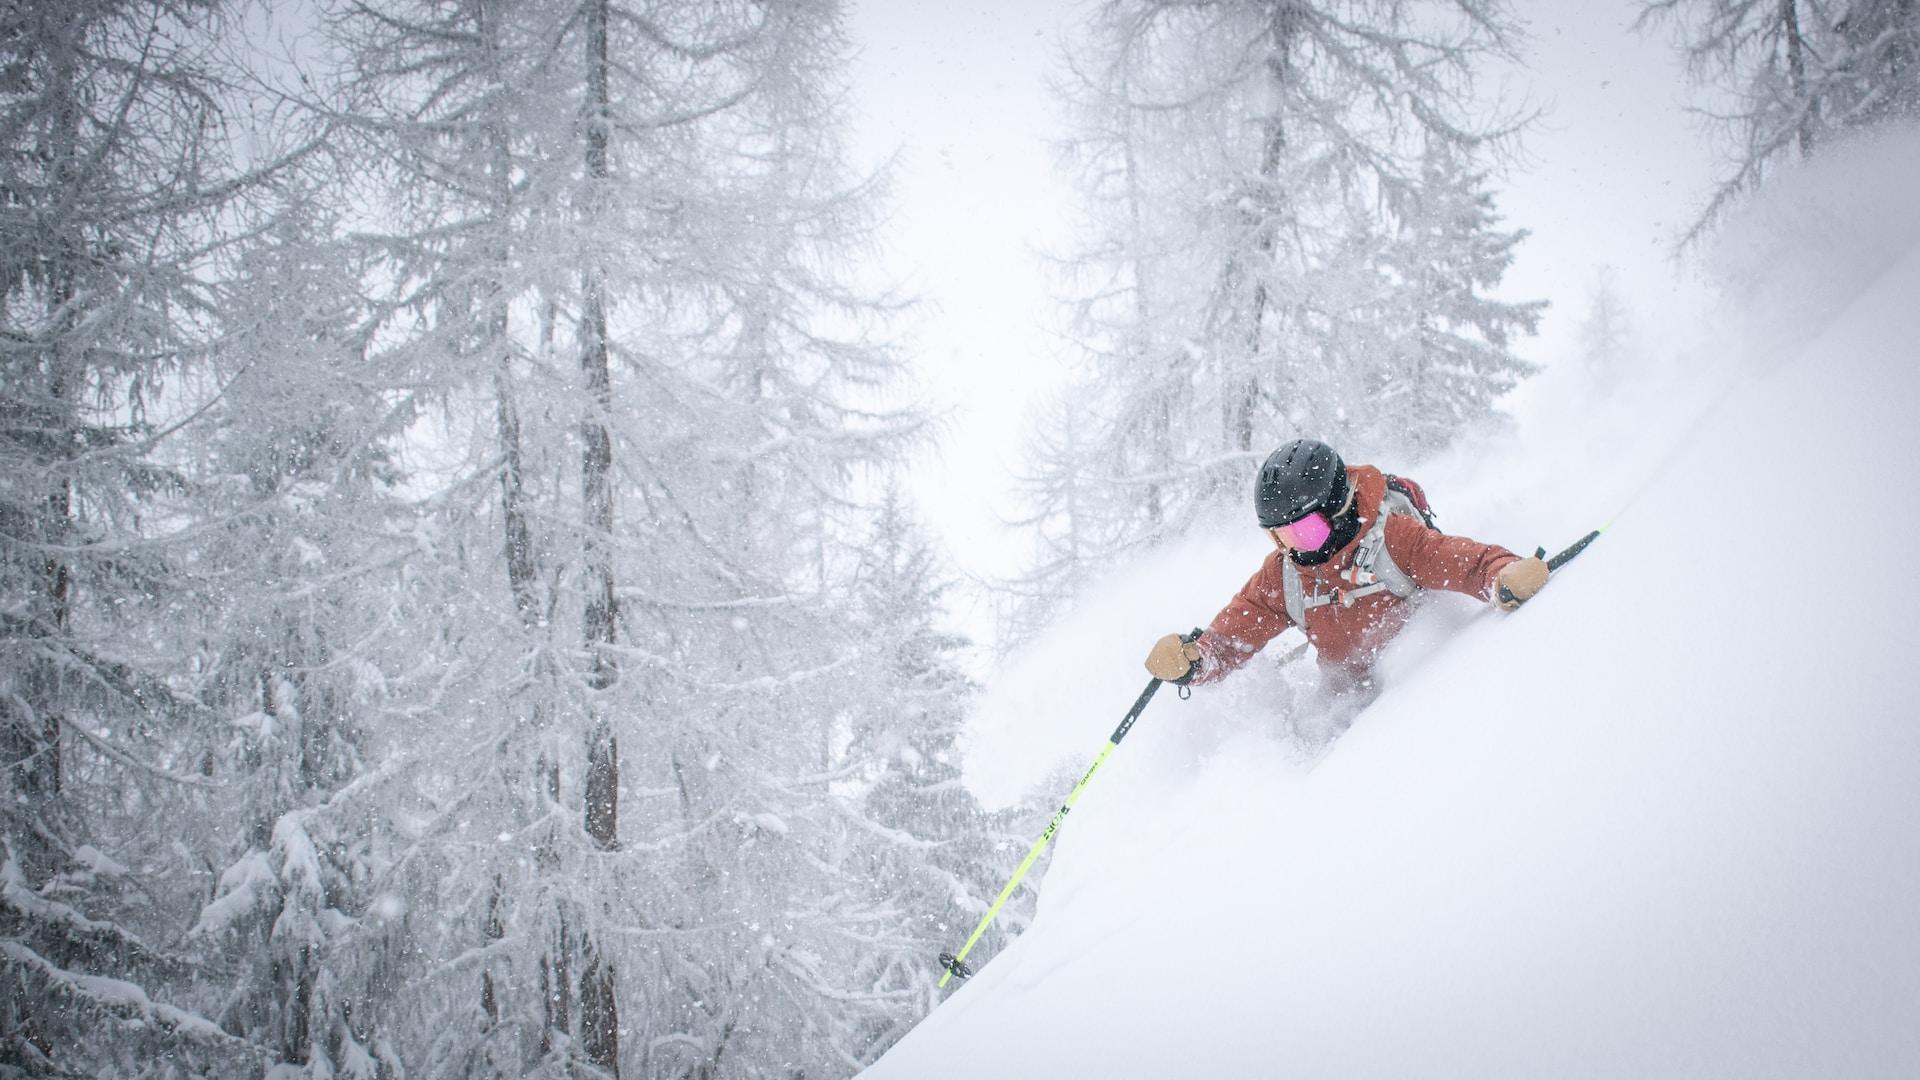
[1663, 822]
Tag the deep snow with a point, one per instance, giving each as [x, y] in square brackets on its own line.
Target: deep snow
[1665, 821]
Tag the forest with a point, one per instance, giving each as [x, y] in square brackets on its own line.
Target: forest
[462, 610]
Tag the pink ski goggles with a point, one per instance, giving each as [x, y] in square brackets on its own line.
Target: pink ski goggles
[1307, 534]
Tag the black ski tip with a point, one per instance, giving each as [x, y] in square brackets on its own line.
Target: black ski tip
[952, 963]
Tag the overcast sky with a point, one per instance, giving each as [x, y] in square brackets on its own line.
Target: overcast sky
[959, 90]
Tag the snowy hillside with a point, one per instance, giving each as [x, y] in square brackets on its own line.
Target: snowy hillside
[1663, 822]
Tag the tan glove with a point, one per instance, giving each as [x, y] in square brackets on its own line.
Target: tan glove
[1518, 581]
[1172, 659]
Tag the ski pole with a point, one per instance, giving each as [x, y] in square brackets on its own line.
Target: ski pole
[1561, 559]
[1575, 548]
[954, 963]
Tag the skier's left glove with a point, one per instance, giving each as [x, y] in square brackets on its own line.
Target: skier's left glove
[1518, 581]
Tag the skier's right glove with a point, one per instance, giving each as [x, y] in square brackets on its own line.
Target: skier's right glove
[1518, 581]
[1172, 660]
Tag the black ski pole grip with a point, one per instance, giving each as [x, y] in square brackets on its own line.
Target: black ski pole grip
[1566, 556]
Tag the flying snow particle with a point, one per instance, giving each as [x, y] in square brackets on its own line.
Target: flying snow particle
[307, 552]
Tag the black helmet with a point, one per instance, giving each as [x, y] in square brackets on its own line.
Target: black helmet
[1303, 476]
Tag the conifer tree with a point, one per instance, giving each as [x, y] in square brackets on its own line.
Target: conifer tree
[945, 860]
[441, 637]
[1290, 233]
[295, 574]
[644, 256]
[1797, 73]
[1606, 333]
[117, 186]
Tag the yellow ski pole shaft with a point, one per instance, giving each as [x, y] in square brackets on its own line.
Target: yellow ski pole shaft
[954, 963]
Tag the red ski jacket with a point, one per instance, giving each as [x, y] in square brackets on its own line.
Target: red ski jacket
[1348, 638]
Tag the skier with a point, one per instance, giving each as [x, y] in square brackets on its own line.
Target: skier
[1353, 545]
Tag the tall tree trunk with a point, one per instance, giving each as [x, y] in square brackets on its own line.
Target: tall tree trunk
[32, 755]
[556, 989]
[596, 465]
[513, 511]
[599, 1011]
[496, 344]
[518, 531]
[599, 1004]
[1160, 433]
[494, 931]
[1797, 75]
[1243, 399]
[496, 349]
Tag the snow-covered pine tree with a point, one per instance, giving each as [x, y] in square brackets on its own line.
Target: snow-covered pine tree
[637, 267]
[456, 119]
[1445, 372]
[1289, 233]
[117, 179]
[1606, 333]
[1074, 513]
[944, 858]
[1878, 75]
[1795, 73]
[297, 569]
[564, 449]
[759, 417]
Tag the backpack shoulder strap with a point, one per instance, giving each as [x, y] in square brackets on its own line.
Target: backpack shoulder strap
[1373, 557]
[1293, 592]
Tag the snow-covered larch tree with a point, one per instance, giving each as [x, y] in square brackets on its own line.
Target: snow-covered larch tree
[944, 856]
[1606, 333]
[1793, 74]
[616, 240]
[442, 635]
[118, 187]
[1288, 232]
[298, 569]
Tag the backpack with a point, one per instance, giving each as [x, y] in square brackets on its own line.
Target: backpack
[1373, 568]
